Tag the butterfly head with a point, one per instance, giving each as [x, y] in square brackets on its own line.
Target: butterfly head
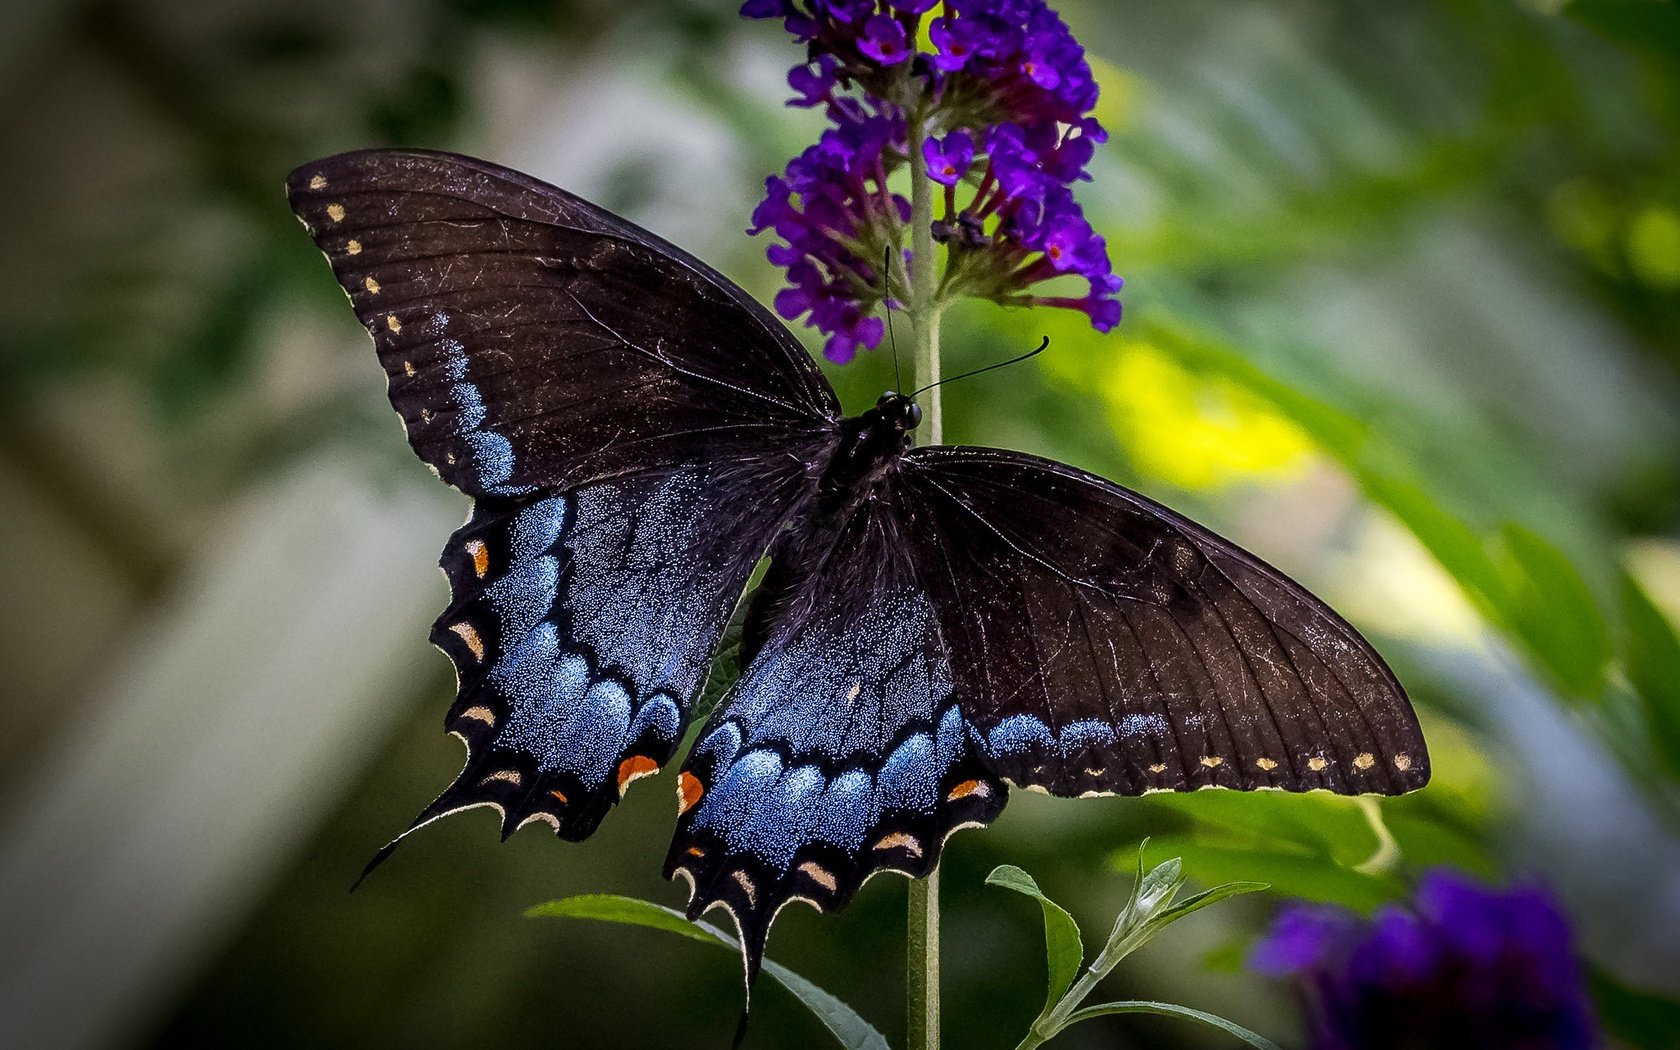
[899, 411]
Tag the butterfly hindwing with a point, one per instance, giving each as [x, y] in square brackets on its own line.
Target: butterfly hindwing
[582, 626]
[1103, 643]
[842, 750]
[533, 341]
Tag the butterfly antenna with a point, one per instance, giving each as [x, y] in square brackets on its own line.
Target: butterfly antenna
[964, 375]
[886, 304]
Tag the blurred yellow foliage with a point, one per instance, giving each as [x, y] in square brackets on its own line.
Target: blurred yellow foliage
[1118, 104]
[1653, 247]
[1197, 432]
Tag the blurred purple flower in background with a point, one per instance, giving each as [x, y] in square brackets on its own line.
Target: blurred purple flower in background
[1002, 108]
[1464, 966]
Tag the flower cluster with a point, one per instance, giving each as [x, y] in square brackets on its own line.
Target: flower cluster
[997, 113]
[1466, 966]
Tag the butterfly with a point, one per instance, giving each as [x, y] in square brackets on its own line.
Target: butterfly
[935, 625]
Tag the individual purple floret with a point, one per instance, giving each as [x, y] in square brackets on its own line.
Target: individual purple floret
[1463, 966]
[1002, 105]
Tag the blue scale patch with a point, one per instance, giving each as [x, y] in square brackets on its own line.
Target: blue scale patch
[761, 808]
[594, 736]
[1019, 734]
[632, 596]
[469, 407]
[1085, 733]
[493, 462]
[909, 778]
[1016, 734]
[1152, 724]
[661, 715]
[454, 359]
[849, 706]
[846, 811]
[491, 453]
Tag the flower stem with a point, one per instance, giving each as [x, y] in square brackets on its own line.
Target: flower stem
[922, 963]
[922, 937]
[924, 305]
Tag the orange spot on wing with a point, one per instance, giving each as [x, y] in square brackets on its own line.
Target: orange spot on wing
[559, 796]
[469, 634]
[696, 851]
[689, 790]
[967, 788]
[634, 768]
[480, 556]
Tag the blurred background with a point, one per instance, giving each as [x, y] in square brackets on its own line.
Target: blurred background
[1402, 316]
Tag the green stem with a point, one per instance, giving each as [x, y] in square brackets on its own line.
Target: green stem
[1120, 945]
[924, 305]
[922, 940]
[922, 963]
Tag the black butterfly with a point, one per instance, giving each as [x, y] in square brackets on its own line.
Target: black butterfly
[636, 432]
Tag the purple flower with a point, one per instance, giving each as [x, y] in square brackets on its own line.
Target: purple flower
[884, 40]
[957, 41]
[1463, 966]
[948, 161]
[1004, 100]
[815, 82]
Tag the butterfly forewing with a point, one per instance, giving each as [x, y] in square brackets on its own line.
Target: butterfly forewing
[1103, 643]
[533, 341]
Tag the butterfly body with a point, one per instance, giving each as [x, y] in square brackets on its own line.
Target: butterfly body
[936, 624]
[869, 449]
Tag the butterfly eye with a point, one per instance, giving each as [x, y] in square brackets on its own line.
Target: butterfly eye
[881, 402]
[915, 415]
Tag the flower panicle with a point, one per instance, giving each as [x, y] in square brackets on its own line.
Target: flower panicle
[1463, 965]
[1003, 104]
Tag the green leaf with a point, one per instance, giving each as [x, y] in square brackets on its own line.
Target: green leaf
[1064, 951]
[1157, 888]
[1290, 872]
[1455, 545]
[627, 911]
[1138, 1006]
[1201, 900]
[852, 1031]
[1553, 610]
[1329, 826]
[1640, 25]
[1653, 669]
[1636, 1017]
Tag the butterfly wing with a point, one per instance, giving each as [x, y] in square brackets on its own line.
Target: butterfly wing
[635, 431]
[842, 750]
[534, 341]
[1102, 643]
[582, 626]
